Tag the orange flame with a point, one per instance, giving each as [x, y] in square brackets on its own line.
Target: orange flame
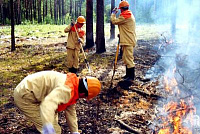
[176, 111]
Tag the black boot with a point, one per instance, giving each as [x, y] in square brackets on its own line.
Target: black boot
[70, 70]
[74, 70]
[127, 72]
[131, 74]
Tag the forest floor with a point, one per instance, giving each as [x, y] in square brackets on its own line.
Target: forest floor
[134, 104]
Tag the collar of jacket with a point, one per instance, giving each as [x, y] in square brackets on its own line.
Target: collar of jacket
[126, 14]
[81, 32]
[72, 82]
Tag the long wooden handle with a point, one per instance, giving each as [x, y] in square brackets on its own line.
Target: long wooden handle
[116, 55]
[86, 62]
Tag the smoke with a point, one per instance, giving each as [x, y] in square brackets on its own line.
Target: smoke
[181, 58]
[183, 54]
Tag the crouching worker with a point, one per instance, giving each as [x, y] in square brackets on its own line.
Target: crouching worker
[74, 43]
[42, 95]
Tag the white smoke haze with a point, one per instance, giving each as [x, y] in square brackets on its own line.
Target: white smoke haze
[181, 59]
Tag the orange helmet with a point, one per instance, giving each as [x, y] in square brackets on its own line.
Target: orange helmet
[94, 87]
[123, 4]
[81, 19]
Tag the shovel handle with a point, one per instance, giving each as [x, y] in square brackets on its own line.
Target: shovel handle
[86, 62]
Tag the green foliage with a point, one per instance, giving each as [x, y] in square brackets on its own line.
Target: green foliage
[48, 19]
[83, 9]
[144, 12]
[27, 22]
[8, 21]
[107, 13]
[68, 18]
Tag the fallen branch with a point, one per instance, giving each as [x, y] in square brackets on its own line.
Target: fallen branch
[127, 127]
[144, 94]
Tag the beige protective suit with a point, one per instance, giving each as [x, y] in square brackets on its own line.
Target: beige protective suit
[73, 47]
[38, 96]
[126, 25]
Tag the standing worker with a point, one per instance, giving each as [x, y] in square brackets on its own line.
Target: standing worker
[126, 25]
[74, 43]
[42, 95]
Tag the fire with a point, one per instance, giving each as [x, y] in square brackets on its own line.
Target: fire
[176, 111]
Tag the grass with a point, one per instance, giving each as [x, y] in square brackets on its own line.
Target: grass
[41, 53]
[146, 31]
[35, 30]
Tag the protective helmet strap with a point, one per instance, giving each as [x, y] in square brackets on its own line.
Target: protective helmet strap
[83, 88]
[85, 83]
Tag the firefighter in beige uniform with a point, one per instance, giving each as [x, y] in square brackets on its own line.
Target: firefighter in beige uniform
[42, 95]
[74, 43]
[126, 25]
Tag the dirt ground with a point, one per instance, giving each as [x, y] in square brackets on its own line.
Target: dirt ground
[132, 104]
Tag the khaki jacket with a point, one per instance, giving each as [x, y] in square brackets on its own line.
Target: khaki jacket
[49, 91]
[126, 29]
[72, 41]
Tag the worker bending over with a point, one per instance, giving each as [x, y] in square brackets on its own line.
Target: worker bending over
[42, 95]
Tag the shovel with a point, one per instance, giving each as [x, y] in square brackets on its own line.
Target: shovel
[85, 59]
[114, 68]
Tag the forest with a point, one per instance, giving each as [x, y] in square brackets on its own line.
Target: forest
[164, 97]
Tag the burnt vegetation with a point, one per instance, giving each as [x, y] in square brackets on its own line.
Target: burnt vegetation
[116, 109]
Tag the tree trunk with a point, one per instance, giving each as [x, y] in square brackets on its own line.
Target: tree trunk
[112, 27]
[70, 9]
[77, 8]
[31, 10]
[26, 7]
[34, 9]
[46, 7]
[1, 15]
[100, 38]
[51, 11]
[60, 11]
[55, 11]
[89, 24]
[3, 12]
[63, 12]
[39, 12]
[43, 11]
[12, 27]
[80, 6]
[18, 12]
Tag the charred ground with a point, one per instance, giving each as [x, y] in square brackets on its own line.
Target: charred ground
[132, 105]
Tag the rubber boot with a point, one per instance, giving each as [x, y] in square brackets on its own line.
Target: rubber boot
[127, 72]
[74, 70]
[131, 74]
[70, 70]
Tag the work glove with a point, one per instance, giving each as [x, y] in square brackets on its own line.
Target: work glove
[48, 129]
[115, 10]
[79, 40]
[72, 23]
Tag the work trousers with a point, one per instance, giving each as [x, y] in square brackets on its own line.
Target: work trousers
[28, 105]
[72, 58]
[127, 56]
